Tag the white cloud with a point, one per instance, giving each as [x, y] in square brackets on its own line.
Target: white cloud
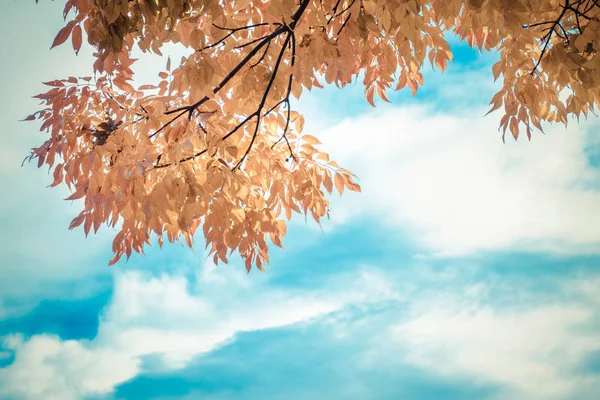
[170, 318]
[163, 316]
[46, 367]
[532, 351]
[451, 183]
[528, 347]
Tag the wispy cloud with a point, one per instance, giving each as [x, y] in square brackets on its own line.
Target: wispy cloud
[448, 181]
[532, 350]
[169, 318]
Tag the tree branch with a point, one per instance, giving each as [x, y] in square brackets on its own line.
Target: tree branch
[548, 36]
[232, 73]
[264, 98]
[290, 37]
[232, 31]
[286, 100]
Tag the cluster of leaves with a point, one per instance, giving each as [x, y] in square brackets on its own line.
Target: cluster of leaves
[215, 144]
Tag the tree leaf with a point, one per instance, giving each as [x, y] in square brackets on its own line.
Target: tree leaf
[339, 183]
[63, 34]
[212, 143]
[76, 38]
[311, 139]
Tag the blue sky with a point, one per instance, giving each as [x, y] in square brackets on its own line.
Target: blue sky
[467, 269]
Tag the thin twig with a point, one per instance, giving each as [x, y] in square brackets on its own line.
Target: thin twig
[264, 99]
[232, 31]
[287, 100]
[548, 36]
[266, 41]
[262, 57]
[343, 26]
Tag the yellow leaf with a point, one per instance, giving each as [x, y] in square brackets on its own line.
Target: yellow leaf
[339, 183]
[350, 184]
[311, 139]
[299, 123]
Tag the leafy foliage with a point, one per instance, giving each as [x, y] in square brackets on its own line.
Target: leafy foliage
[214, 142]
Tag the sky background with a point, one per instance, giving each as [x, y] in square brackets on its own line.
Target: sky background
[466, 269]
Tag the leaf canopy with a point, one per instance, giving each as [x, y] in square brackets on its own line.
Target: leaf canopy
[214, 144]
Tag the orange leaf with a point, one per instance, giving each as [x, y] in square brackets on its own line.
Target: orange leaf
[55, 83]
[403, 79]
[63, 34]
[299, 123]
[351, 185]
[29, 118]
[310, 139]
[76, 38]
[78, 220]
[115, 259]
[370, 93]
[339, 183]
[381, 93]
[327, 182]
[514, 127]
